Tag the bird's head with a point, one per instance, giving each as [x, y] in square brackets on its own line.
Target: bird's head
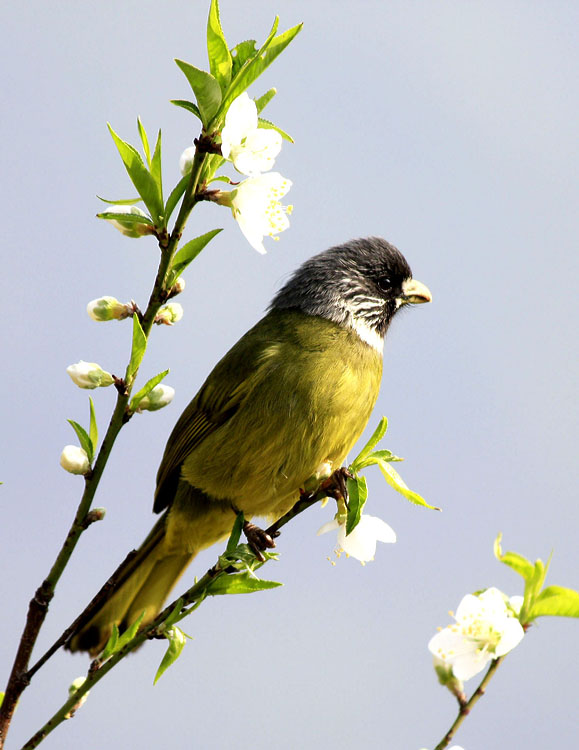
[360, 285]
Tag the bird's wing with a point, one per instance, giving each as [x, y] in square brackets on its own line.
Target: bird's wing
[219, 398]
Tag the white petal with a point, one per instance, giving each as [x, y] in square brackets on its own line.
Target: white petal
[356, 544]
[258, 152]
[381, 530]
[512, 635]
[361, 542]
[241, 119]
[329, 526]
[467, 665]
[516, 603]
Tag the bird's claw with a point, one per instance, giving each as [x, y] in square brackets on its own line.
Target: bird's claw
[336, 485]
[258, 539]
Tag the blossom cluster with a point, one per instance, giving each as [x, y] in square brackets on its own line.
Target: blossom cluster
[255, 202]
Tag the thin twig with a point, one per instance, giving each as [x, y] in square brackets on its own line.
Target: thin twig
[195, 595]
[38, 607]
[465, 708]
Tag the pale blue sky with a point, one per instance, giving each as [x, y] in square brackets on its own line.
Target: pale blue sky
[450, 129]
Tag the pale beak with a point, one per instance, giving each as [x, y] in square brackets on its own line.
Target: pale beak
[414, 292]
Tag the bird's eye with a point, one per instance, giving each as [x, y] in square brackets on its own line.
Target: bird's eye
[385, 284]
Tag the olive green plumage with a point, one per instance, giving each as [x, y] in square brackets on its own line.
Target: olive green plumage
[293, 394]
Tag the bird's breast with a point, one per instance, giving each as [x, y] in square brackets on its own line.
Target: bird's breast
[314, 391]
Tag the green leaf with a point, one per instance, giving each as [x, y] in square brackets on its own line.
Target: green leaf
[93, 432]
[556, 601]
[189, 252]
[518, 563]
[189, 106]
[175, 196]
[395, 480]
[144, 141]
[127, 202]
[129, 633]
[239, 583]
[357, 496]
[147, 388]
[255, 66]
[267, 125]
[220, 62]
[140, 176]
[376, 437]
[241, 53]
[126, 218]
[138, 349]
[175, 614]
[156, 166]
[111, 645]
[262, 101]
[235, 534]
[384, 455]
[84, 439]
[206, 89]
[176, 638]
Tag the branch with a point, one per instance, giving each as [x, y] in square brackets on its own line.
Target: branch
[466, 707]
[190, 600]
[38, 607]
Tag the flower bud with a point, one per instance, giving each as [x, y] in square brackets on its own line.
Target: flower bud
[73, 687]
[74, 460]
[178, 287]
[160, 396]
[128, 228]
[107, 308]
[186, 160]
[89, 375]
[169, 314]
[446, 676]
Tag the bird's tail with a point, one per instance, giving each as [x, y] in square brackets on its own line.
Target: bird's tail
[140, 585]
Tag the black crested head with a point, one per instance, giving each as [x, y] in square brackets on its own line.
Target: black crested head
[360, 285]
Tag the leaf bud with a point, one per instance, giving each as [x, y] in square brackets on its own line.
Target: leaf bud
[169, 314]
[89, 375]
[157, 398]
[74, 460]
[107, 308]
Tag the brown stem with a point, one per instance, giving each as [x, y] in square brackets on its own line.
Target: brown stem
[465, 707]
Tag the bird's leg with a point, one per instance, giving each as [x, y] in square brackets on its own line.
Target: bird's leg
[258, 539]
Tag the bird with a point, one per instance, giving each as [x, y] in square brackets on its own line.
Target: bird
[293, 395]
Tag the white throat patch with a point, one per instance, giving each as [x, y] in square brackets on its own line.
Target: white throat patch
[368, 334]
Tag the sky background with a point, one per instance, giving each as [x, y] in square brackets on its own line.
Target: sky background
[449, 128]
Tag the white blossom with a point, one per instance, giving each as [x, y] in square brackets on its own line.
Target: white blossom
[251, 149]
[160, 396]
[257, 209]
[361, 542]
[74, 460]
[485, 629]
[89, 375]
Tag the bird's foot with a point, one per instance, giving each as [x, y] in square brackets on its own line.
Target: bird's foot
[336, 485]
[258, 539]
